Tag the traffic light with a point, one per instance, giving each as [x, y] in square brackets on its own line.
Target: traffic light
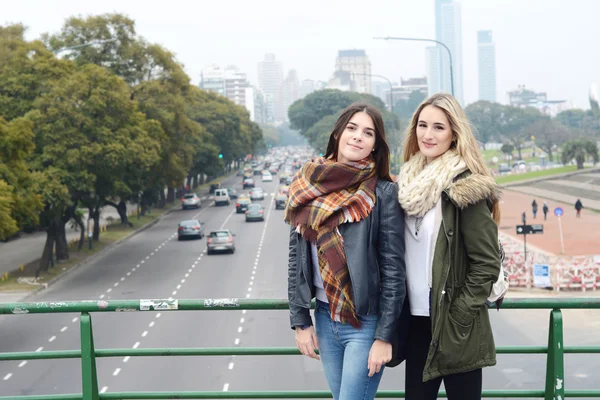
[220, 155]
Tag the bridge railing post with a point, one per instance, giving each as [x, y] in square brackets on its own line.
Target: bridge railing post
[555, 361]
[88, 359]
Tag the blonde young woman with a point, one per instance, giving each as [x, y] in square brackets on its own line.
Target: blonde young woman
[452, 256]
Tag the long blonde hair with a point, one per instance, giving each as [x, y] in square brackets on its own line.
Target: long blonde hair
[463, 139]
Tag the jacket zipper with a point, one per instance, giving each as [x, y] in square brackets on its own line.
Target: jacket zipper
[443, 293]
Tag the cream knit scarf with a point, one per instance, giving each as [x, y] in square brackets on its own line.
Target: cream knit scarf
[421, 184]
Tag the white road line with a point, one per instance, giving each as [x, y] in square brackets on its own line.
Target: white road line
[183, 281]
[116, 371]
[252, 283]
[187, 275]
[237, 341]
[7, 377]
[230, 365]
[239, 329]
[151, 324]
[174, 292]
[241, 320]
[144, 334]
[102, 296]
[137, 266]
[151, 254]
[226, 387]
[170, 298]
[75, 319]
[251, 278]
[158, 315]
[104, 389]
[129, 274]
[244, 311]
[147, 257]
[253, 273]
[178, 287]
[64, 328]
[142, 262]
[109, 290]
[39, 349]
[126, 359]
[249, 289]
[52, 339]
[190, 270]
[122, 279]
[116, 284]
[136, 345]
[23, 363]
[248, 296]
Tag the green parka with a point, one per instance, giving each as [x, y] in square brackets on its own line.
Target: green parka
[466, 263]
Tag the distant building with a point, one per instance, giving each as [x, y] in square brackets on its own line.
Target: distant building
[212, 78]
[341, 80]
[357, 63]
[254, 101]
[270, 78]
[381, 89]
[236, 83]
[434, 73]
[523, 97]
[403, 92]
[307, 86]
[486, 59]
[290, 92]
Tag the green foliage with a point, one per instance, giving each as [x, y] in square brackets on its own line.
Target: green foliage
[580, 150]
[507, 148]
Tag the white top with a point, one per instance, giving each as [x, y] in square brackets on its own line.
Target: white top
[420, 247]
[317, 280]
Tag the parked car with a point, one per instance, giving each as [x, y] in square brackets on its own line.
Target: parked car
[255, 212]
[257, 194]
[242, 204]
[214, 186]
[232, 193]
[221, 240]
[267, 177]
[190, 200]
[280, 201]
[190, 229]
[248, 183]
[221, 197]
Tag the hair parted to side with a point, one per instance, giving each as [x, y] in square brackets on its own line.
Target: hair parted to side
[381, 153]
[463, 141]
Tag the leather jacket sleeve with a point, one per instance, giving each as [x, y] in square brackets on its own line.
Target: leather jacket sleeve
[298, 315]
[392, 267]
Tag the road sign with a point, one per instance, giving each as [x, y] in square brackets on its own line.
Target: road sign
[558, 211]
[530, 229]
[541, 275]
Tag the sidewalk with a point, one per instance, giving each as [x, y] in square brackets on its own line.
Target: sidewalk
[581, 235]
[29, 247]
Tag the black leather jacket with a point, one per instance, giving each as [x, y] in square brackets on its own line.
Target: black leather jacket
[375, 252]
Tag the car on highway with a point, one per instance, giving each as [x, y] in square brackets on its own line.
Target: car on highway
[222, 197]
[267, 177]
[232, 193]
[191, 228]
[248, 183]
[242, 203]
[255, 212]
[280, 201]
[220, 240]
[190, 200]
[257, 194]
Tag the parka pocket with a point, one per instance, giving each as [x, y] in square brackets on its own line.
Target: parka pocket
[459, 344]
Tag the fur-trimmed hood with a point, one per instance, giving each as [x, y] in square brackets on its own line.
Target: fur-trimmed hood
[470, 188]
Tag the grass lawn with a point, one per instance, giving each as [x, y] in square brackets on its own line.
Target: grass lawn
[113, 233]
[535, 174]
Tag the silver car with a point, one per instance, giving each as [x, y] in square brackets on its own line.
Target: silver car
[257, 194]
[221, 240]
[190, 229]
[190, 200]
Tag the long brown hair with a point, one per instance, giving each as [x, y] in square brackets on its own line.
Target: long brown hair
[464, 141]
[381, 153]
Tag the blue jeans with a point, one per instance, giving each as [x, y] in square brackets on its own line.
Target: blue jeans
[344, 352]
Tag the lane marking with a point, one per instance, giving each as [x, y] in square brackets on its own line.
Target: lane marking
[136, 345]
[23, 363]
[151, 324]
[52, 339]
[237, 341]
[7, 377]
[116, 371]
[144, 334]
[39, 349]
[104, 389]
[64, 328]
[126, 359]
[230, 366]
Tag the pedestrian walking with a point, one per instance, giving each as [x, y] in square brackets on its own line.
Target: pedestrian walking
[545, 209]
[578, 207]
[451, 203]
[346, 223]
[534, 208]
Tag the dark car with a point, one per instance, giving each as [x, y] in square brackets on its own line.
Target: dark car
[241, 204]
[190, 229]
[232, 193]
[221, 240]
[248, 183]
[280, 201]
[255, 212]
[214, 186]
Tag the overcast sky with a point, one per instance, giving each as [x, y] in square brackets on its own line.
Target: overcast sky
[547, 45]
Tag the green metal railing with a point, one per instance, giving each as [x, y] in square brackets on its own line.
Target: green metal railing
[555, 350]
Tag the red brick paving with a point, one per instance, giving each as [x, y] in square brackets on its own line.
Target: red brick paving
[581, 235]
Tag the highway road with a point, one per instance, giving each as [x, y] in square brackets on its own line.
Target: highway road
[153, 264]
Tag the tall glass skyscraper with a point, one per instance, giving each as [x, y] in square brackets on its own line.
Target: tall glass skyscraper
[486, 60]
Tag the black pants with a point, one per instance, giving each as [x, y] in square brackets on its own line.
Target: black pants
[465, 386]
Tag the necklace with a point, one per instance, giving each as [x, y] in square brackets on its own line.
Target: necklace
[418, 222]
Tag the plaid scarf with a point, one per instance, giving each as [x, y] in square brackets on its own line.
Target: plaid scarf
[323, 195]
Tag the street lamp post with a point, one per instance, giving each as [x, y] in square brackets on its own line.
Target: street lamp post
[428, 40]
[84, 45]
